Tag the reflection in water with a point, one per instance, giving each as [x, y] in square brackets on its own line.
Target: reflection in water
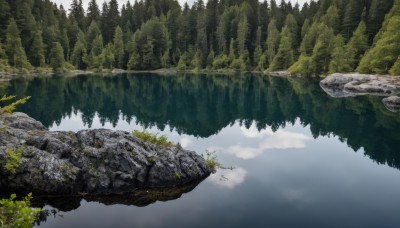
[229, 178]
[280, 139]
[202, 105]
[297, 183]
[139, 198]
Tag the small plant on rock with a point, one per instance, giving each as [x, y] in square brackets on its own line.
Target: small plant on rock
[153, 138]
[211, 160]
[14, 159]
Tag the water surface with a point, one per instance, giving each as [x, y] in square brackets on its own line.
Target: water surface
[299, 157]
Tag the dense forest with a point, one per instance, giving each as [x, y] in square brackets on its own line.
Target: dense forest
[317, 38]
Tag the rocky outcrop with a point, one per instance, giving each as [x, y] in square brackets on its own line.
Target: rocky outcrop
[345, 85]
[88, 162]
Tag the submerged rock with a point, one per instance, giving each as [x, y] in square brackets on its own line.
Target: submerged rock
[392, 103]
[90, 161]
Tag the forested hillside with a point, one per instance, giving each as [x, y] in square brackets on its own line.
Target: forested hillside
[320, 37]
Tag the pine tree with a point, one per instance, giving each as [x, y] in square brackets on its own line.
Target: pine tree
[352, 17]
[394, 11]
[26, 25]
[331, 18]
[272, 41]
[182, 62]
[92, 33]
[357, 45]
[3, 59]
[94, 59]
[93, 13]
[243, 32]
[78, 13]
[210, 59]
[5, 13]
[322, 51]
[305, 28]
[293, 27]
[118, 48]
[396, 68]
[79, 53]
[15, 52]
[57, 57]
[37, 57]
[64, 41]
[309, 40]
[340, 60]
[303, 66]
[133, 50]
[377, 12]
[107, 56]
[285, 57]
[104, 23]
[381, 57]
[110, 20]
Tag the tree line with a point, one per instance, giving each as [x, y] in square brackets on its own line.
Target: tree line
[319, 37]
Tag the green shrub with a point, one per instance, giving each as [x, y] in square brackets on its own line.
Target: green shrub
[302, 67]
[17, 213]
[14, 159]
[11, 107]
[153, 138]
[221, 62]
[238, 64]
[211, 160]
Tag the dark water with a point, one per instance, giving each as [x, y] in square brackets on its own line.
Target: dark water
[300, 158]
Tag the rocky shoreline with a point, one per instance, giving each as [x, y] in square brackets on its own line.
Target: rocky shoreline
[89, 162]
[345, 85]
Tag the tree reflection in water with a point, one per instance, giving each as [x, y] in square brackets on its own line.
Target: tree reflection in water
[202, 105]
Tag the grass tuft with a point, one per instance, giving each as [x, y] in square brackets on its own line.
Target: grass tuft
[153, 138]
[211, 160]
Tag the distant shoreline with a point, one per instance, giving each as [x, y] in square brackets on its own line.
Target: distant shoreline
[6, 76]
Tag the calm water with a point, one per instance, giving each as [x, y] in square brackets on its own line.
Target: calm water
[300, 158]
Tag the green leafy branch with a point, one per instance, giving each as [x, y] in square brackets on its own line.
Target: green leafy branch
[11, 107]
[17, 213]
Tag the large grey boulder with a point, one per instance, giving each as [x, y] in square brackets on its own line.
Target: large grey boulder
[360, 84]
[90, 161]
[354, 84]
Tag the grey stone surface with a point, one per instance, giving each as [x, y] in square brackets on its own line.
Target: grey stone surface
[342, 85]
[96, 161]
[392, 103]
[345, 85]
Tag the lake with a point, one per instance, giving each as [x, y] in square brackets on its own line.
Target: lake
[292, 155]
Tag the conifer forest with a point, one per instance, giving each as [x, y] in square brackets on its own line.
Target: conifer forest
[316, 38]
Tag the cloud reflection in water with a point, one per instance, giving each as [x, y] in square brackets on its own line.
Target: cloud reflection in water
[228, 178]
[280, 139]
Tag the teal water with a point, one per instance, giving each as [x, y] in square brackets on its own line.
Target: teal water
[299, 157]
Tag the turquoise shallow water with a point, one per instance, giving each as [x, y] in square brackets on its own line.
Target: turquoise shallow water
[299, 157]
